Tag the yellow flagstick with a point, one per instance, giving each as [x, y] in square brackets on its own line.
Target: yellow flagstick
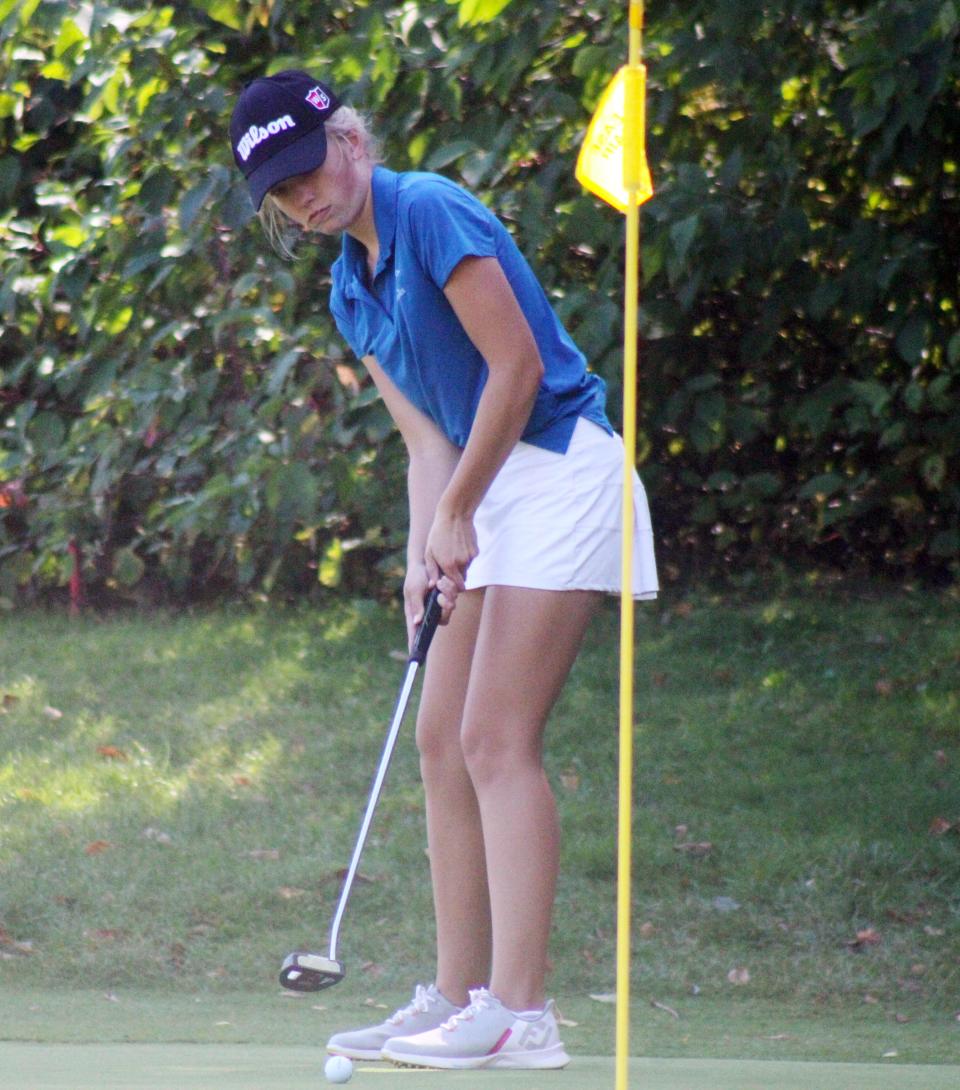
[633, 179]
[613, 165]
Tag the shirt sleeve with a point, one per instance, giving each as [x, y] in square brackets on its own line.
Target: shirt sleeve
[445, 225]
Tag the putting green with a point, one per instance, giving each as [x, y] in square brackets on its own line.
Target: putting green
[260, 1067]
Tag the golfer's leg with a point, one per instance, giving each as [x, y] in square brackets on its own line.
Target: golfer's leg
[454, 832]
[527, 642]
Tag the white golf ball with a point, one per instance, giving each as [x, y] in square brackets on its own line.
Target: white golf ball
[338, 1069]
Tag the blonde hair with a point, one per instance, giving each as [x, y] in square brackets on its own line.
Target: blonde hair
[281, 231]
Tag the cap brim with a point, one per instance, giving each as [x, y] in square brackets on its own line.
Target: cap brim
[300, 157]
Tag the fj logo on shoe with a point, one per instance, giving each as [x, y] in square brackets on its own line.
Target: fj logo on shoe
[535, 1036]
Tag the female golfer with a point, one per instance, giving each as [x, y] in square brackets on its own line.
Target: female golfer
[514, 493]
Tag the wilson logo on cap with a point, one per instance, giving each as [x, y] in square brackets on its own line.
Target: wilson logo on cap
[318, 98]
[256, 134]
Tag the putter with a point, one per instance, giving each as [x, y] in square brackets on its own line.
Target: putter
[306, 972]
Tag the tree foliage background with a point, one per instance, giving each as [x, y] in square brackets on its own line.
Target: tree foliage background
[178, 416]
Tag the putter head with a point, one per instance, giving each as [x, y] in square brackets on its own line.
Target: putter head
[303, 972]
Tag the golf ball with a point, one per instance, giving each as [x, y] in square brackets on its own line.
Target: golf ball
[338, 1069]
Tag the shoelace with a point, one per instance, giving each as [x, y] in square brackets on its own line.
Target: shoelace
[480, 1000]
[421, 1003]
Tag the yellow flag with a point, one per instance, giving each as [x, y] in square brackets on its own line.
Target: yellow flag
[600, 166]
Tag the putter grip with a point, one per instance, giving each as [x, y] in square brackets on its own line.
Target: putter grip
[424, 636]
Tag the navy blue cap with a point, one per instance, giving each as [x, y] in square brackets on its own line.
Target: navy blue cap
[277, 129]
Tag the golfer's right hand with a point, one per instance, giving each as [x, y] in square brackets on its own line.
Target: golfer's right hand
[416, 587]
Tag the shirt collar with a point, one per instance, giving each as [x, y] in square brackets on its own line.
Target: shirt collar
[383, 186]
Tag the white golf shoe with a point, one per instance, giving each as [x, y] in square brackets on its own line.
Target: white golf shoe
[484, 1034]
[427, 1010]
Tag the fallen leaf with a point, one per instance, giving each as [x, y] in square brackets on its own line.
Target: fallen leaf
[891, 1055]
[695, 848]
[263, 853]
[908, 916]
[902, 1019]
[570, 780]
[683, 609]
[660, 680]
[871, 999]
[9, 701]
[97, 847]
[884, 687]
[291, 893]
[368, 1002]
[112, 997]
[157, 836]
[112, 753]
[358, 877]
[739, 976]
[934, 932]
[604, 997]
[52, 713]
[14, 946]
[242, 781]
[725, 904]
[939, 826]
[778, 1037]
[680, 831]
[647, 929]
[869, 936]
[940, 756]
[663, 1007]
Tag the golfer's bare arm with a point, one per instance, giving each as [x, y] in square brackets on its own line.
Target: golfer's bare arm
[446, 484]
[432, 459]
[481, 297]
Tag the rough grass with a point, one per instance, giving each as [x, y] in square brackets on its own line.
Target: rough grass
[178, 794]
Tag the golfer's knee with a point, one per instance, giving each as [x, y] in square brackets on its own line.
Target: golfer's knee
[495, 752]
[438, 742]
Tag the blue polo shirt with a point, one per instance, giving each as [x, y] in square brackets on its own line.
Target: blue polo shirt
[426, 225]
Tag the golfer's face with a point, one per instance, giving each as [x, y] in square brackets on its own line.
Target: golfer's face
[329, 198]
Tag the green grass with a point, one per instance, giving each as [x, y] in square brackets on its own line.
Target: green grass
[723, 1027]
[178, 793]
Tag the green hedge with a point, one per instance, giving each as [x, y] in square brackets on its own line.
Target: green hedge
[176, 402]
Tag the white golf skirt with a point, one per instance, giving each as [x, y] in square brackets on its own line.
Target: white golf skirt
[553, 521]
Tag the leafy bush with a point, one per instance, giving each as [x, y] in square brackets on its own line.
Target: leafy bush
[177, 405]
[805, 338]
